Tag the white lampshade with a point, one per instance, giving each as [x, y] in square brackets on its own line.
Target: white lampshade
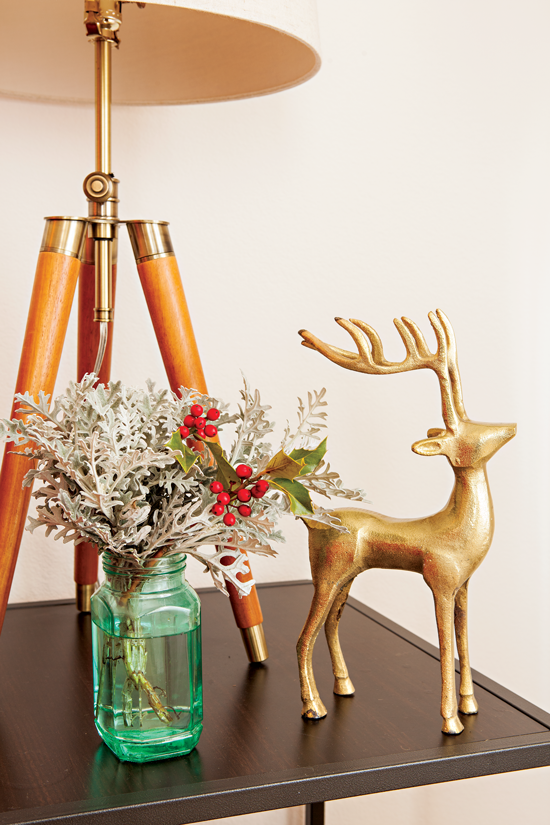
[178, 51]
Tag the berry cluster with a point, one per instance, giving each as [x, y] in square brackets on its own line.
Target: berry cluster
[239, 496]
[197, 424]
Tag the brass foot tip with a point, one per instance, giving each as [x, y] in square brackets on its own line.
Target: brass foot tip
[84, 593]
[254, 643]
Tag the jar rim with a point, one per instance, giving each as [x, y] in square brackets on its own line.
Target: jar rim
[121, 565]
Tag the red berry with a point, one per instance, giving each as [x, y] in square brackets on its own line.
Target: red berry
[223, 498]
[244, 510]
[243, 471]
[210, 430]
[200, 433]
[229, 519]
[189, 420]
[200, 423]
[257, 493]
[244, 495]
[262, 485]
[184, 432]
[218, 509]
[196, 410]
[213, 414]
[216, 487]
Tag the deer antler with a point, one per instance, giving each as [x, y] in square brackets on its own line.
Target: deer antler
[370, 358]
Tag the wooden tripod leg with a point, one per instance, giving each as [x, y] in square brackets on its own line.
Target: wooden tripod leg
[163, 289]
[52, 297]
[85, 554]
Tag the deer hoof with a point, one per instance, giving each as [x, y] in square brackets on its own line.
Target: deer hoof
[452, 726]
[468, 705]
[343, 687]
[313, 709]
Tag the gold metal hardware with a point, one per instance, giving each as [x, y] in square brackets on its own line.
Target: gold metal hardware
[103, 310]
[99, 187]
[87, 256]
[254, 643]
[102, 19]
[103, 96]
[84, 593]
[65, 235]
[446, 548]
[150, 240]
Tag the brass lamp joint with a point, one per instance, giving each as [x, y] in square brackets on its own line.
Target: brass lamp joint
[100, 187]
[102, 19]
[101, 191]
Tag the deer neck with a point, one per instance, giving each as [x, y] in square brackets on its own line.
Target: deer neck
[471, 503]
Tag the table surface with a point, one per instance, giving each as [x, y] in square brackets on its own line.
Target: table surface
[255, 753]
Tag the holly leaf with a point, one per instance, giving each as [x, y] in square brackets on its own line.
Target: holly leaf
[298, 496]
[226, 474]
[283, 466]
[310, 459]
[188, 457]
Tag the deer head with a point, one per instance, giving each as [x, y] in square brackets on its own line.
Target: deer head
[465, 443]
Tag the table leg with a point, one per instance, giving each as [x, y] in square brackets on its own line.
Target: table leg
[315, 813]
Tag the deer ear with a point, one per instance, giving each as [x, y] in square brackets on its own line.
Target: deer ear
[429, 446]
[435, 431]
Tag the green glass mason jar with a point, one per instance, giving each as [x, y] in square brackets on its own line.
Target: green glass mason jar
[147, 659]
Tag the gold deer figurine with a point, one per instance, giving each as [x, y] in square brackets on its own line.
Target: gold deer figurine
[446, 547]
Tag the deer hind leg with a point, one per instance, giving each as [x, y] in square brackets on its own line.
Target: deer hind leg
[312, 706]
[467, 703]
[444, 608]
[343, 685]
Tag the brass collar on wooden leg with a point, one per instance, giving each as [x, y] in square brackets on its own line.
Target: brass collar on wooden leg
[254, 643]
[84, 593]
[150, 240]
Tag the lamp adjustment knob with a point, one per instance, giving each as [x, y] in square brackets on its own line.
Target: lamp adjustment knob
[98, 187]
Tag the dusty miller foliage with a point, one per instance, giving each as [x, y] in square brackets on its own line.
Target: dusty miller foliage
[108, 477]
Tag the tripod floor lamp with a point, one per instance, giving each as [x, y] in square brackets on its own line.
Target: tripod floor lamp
[182, 51]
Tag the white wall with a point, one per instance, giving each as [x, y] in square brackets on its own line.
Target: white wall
[413, 172]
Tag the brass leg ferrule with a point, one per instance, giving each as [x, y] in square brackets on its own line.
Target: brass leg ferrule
[150, 240]
[84, 593]
[254, 643]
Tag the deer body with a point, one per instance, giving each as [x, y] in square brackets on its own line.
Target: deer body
[446, 548]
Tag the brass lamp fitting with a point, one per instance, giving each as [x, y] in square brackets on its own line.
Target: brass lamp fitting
[102, 19]
[64, 235]
[255, 643]
[101, 190]
[99, 187]
[150, 240]
[84, 593]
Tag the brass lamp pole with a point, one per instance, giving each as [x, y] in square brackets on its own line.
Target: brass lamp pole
[102, 21]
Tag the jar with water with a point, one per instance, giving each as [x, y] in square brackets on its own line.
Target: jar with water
[147, 659]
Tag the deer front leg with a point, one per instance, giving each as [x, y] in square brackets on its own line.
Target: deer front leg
[312, 706]
[444, 608]
[343, 685]
[467, 703]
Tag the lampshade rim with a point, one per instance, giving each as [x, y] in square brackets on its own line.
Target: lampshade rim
[75, 101]
[68, 101]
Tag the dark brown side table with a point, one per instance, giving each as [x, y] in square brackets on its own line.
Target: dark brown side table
[255, 753]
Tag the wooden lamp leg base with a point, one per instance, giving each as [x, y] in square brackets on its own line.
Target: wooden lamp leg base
[249, 619]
